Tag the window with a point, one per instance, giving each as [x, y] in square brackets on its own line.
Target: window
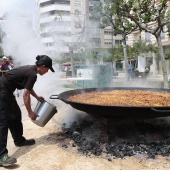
[118, 42]
[94, 30]
[50, 44]
[77, 3]
[107, 43]
[107, 32]
[44, 4]
[63, 2]
[96, 42]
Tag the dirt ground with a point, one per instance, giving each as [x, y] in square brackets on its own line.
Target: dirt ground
[48, 153]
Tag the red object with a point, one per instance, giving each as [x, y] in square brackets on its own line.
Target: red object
[66, 64]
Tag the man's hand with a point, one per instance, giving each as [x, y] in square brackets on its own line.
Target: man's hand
[33, 115]
[40, 98]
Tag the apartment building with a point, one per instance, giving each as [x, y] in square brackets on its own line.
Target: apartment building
[53, 23]
[79, 21]
[148, 37]
[62, 24]
[94, 37]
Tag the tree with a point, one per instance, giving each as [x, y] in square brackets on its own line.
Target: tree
[140, 47]
[59, 37]
[167, 53]
[92, 55]
[115, 53]
[108, 16]
[142, 13]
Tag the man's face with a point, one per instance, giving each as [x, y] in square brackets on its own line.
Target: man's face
[43, 70]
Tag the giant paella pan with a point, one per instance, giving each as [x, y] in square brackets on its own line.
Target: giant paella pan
[117, 110]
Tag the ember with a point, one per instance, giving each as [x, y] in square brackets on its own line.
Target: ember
[145, 138]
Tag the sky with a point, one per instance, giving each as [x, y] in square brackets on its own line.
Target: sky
[24, 6]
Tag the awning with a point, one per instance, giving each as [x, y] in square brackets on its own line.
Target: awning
[66, 64]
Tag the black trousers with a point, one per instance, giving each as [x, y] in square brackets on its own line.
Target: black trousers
[10, 119]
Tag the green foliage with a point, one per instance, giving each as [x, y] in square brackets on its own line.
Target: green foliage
[139, 47]
[141, 12]
[88, 54]
[95, 14]
[109, 15]
[167, 53]
[115, 53]
[63, 59]
[126, 16]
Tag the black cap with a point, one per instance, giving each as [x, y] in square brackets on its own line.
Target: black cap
[44, 60]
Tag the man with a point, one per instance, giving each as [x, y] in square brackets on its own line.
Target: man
[129, 69]
[5, 64]
[23, 77]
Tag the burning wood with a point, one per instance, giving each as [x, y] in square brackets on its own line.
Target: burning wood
[144, 139]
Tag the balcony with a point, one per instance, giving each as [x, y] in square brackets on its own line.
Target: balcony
[58, 28]
[54, 18]
[58, 49]
[55, 7]
[41, 1]
[59, 39]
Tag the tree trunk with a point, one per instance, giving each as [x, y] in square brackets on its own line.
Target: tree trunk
[72, 61]
[125, 58]
[164, 69]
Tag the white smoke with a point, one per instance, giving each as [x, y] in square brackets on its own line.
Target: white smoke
[21, 41]
[21, 6]
[23, 45]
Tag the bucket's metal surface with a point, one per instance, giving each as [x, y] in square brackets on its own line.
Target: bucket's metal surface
[46, 111]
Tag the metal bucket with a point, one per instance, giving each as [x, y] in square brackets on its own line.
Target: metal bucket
[46, 111]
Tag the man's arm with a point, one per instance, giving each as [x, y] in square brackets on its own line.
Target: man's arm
[27, 102]
[39, 98]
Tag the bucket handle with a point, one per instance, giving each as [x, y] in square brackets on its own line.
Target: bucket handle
[54, 96]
